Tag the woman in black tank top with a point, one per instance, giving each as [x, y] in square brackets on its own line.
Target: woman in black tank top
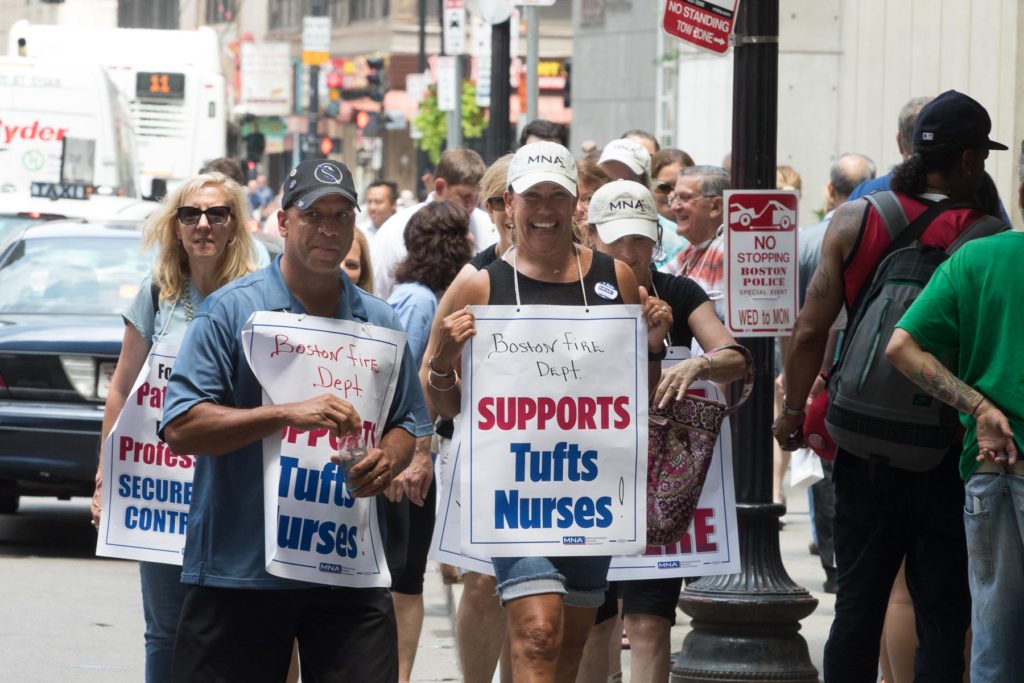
[545, 267]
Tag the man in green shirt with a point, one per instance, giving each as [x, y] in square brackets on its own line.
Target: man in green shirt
[969, 309]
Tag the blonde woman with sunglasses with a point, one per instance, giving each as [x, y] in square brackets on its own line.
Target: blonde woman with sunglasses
[202, 245]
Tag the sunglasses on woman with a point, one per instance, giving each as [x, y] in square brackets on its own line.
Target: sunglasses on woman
[215, 215]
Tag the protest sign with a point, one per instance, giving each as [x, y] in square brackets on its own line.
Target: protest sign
[315, 530]
[711, 543]
[555, 460]
[146, 487]
[446, 542]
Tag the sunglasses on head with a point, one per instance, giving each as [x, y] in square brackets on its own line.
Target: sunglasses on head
[215, 215]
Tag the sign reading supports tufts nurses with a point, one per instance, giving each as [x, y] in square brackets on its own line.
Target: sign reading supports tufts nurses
[556, 458]
[146, 487]
[315, 530]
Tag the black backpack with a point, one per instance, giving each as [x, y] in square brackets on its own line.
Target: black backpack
[874, 410]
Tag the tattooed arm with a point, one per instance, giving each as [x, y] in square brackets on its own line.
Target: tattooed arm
[995, 438]
[803, 359]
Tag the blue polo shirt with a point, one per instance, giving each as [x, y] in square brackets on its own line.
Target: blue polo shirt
[224, 546]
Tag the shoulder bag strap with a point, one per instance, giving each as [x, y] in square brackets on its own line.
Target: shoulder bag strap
[984, 226]
[748, 378]
[889, 210]
[903, 237]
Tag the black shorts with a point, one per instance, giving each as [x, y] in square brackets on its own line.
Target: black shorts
[344, 634]
[658, 597]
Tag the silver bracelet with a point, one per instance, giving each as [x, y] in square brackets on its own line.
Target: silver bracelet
[430, 366]
[430, 380]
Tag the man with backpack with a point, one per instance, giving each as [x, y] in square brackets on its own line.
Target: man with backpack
[897, 489]
[969, 307]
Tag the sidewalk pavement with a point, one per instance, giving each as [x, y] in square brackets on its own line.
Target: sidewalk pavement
[437, 659]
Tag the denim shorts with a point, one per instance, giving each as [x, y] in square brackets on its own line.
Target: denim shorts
[582, 580]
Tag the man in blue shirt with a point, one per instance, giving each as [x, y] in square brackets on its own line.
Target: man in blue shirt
[238, 621]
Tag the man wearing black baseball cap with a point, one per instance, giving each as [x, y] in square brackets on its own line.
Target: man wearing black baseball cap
[238, 621]
[884, 514]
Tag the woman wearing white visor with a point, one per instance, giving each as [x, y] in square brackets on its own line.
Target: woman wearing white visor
[623, 223]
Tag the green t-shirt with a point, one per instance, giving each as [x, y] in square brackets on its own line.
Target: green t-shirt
[969, 308]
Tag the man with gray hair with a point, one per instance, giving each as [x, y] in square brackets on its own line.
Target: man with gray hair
[904, 140]
[970, 307]
[698, 204]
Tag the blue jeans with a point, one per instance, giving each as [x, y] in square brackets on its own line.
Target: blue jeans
[582, 580]
[162, 596]
[994, 522]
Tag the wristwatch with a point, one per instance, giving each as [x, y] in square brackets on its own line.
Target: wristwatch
[791, 412]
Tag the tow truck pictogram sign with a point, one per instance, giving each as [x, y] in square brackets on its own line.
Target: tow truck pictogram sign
[761, 262]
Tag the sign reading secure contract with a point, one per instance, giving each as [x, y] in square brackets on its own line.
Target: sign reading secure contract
[706, 24]
[761, 262]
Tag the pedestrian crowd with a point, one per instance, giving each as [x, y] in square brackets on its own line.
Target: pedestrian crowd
[924, 571]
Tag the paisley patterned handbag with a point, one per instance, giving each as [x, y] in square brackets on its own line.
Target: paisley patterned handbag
[681, 442]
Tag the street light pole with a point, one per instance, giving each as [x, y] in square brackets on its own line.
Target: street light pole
[746, 626]
[314, 98]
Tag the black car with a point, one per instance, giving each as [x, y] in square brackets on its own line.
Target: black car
[63, 286]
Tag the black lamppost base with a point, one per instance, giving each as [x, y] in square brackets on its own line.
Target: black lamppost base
[746, 626]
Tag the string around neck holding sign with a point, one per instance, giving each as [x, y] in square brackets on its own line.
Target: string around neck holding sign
[515, 277]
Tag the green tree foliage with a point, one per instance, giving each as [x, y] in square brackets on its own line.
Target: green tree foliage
[433, 123]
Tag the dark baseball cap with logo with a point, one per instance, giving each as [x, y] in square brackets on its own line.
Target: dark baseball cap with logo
[317, 178]
[953, 120]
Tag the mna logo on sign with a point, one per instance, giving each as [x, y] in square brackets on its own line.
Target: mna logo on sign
[669, 564]
[330, 568]
[574, 540]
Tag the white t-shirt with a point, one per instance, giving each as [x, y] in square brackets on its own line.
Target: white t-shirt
[388, 246]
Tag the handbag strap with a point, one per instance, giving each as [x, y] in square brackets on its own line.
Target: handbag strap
[748, 378]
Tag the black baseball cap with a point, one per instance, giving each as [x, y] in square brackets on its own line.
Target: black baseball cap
[953, 120]
[316, 178]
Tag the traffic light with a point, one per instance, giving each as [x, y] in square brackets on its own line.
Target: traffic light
[367, 121]
[376, 78]
[333, 85]
[255, 143]
[329, 145]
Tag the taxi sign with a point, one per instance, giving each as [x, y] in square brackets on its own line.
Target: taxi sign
[761, 262]
[60, 190]
[706, 24]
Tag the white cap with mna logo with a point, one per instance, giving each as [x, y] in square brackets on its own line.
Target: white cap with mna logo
[623, 207]
[542, 162]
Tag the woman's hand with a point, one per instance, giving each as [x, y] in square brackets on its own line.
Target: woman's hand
[96, 507]
[456, 329]
[658, 315]
[677, 379]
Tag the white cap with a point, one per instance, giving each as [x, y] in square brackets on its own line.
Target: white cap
[542, 162]
[629, 152]
[623, 207]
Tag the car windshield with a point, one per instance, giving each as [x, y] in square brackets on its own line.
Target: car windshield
[76, 275]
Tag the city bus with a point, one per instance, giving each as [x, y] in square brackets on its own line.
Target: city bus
[172, 80]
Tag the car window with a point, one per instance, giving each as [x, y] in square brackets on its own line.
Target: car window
[79, 275]
[11, 224]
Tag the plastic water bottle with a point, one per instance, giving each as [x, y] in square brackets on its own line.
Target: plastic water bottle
[351, 450]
